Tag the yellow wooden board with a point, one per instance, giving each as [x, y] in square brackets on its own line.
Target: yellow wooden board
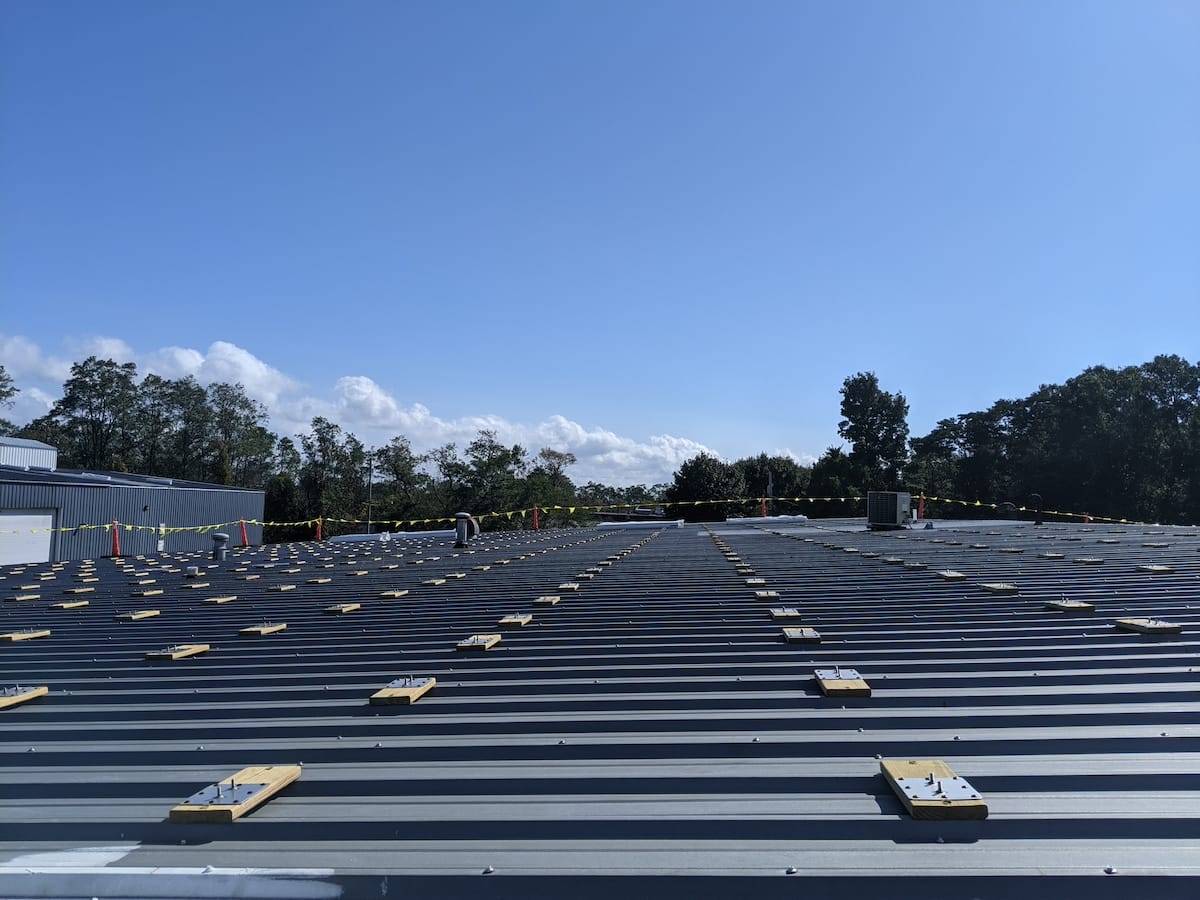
[342, 608]
[216, 601]
[21, 695]
[270, 779]
[766, 595]
[456, 575]
[1070, 605]
[410, 691]
[843, 687]
[569, 586]
[253, 577]
[433, 582]
[1148, 626]
[393, 595]
[281, 588]
[358, 573]
[755, 582]
[179, 651]
[931, 772]
[196, 585]
[70, 604]
[14, 636]
[479, 642]
[547, 600]
[264, 629]
[24, 598]
[152, 592]
[319, 580]
[517, 619]
[138, 614]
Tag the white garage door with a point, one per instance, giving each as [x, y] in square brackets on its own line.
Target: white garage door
[25, 537]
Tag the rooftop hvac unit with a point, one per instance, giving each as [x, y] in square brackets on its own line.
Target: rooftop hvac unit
[888, 509]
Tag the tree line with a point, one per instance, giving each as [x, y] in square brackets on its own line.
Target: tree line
[1121, 443]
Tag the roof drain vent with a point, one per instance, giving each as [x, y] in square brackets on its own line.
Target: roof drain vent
[220, 546]
[465, 528]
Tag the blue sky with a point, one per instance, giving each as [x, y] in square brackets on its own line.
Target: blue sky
[631, 230]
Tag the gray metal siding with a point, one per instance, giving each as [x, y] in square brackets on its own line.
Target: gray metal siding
[91, 505]
[651, 726]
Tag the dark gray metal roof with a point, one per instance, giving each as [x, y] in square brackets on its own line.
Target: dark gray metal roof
[651, 724]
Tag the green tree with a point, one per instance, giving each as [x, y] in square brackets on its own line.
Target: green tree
[8, 390]
[241, 444]
[875, 423]
[774, 476]
[704, 477]
[96, 414]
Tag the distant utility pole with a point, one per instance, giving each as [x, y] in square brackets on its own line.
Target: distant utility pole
[370, 484]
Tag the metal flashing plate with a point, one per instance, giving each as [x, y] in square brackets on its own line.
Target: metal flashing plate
[837, 674]
[934, 788]
[224, 793]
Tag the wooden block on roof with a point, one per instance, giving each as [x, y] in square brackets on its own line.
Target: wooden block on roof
[870, 555]
[915, 565]
[1010, 550]
[29, 634]
[1148, 626]
[547, 600]
[516, 620]
[357, 573]
[1156, 545]
[569, 586]
[893, 560]
[281, 588]
[253, 577]
[196, 585]
[1155, 569]
[1000, 587]
[137, 615]
[152, 592]
[950, 575]
[433, 582]
[403, 691]
[1088, 560]
[799, 635]
[70, 604]
[232, 798]
[766, 595]
[15, 696]
[755, 582]
[319, 580]
[454, 576]
[1070, 605]
[264, 629]
[1050, 556]
[24, 598]
[929, 789]
[479, 642]
[784, 612]
[179, 651]
[341, 609]
[88, 580]
[393, 595]
[481, 568]
[841, 682]
[217, 601]
[584, 576]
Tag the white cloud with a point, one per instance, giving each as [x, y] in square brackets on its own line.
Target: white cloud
[359, 405]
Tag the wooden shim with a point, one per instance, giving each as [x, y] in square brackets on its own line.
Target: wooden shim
[843, 683]
[22, 695]
[280, 588]
[264, 629]
[339, 609]
[1148, 626]
[24, 598]
[455, 575]
[272, 780]
[319, 580]
[403, 693]
[517, 619]
[999, 587]
[196, 585]
[433, 582]
[969, 807]
[153, 592]
[802, 635]
[138, 614]
[79, 590]
[393, 595]
[547, 600]
[219, 600]
[14, 636]
[479, 642]
[569, 586]
[179, 651]
[70, 604]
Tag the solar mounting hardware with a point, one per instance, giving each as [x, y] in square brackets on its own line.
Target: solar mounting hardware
[24, 598]
[453, 576]
[1010, 550]
[253, 577]
[341, 609]
[219, 600]
[1051, 555]
[569, 586]
[517, 619]
[841, 682]
[137, 615]
[950, 575]
[585, 576]
[893, 560]
[802, 635]
[915, 565]
[870, 554]
[393, 595]
[1088, 560]
[15, 696]
[280, 588]
[784, 612]
[1155, 569]
[1066, 605]
[178, 651]
[196, 585]
[999, 587]
[766, 595]
[433, 582]
[929, 789]
[1148, 626]
[357, 573]
[479, 642]
[264, 629]
[27, 634]
[79, 590]
[408, 689]
[547, 600]
[70, 604]
[319, 580]
[755, 582]
[232, 798]
[152, 592]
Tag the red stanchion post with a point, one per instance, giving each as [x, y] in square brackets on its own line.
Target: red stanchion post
[245, 541]
[319, 521]
[921, 506]
[116, 541]
[535, 517]
[764, 507]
